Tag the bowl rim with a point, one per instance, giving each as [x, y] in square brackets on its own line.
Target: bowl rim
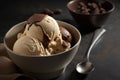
[57, 54]
[109, 11]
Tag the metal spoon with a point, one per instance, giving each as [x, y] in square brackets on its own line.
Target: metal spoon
[86, 66]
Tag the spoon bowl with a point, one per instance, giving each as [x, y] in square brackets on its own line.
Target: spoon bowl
[85, 67]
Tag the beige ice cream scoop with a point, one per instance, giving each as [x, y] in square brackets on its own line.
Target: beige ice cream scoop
[50, 27]
[40, 25]
[29, 46]
[34, 31]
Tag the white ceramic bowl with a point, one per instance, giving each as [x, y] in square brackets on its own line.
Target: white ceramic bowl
[43, 67]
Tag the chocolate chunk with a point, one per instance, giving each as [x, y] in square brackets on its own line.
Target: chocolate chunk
[66, 35]
[52, 11]
[90, 7]
[66, 44]
[48, 11]
[35, 18]
[102, 10]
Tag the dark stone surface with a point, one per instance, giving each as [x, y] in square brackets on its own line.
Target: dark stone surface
[105, 56]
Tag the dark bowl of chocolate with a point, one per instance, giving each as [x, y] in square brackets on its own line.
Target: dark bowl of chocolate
[90, 15]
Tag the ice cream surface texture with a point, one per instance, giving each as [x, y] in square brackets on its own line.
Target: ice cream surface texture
[42, 36]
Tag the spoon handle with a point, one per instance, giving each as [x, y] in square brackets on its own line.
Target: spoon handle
[97, 35]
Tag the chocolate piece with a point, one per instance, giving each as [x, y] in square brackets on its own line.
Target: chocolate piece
[52, 11]
[66, 35]
[86, 7]
[48, 11]
[66, 44]
[35, 18]
[102, 10]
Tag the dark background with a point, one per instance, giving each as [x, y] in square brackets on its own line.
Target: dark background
[15, 11]
[105, 56]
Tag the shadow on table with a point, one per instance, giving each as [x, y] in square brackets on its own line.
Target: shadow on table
[76, 76]
[72, 76]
